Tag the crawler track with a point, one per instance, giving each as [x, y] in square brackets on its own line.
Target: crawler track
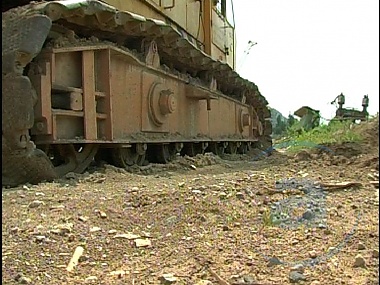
[30, 28]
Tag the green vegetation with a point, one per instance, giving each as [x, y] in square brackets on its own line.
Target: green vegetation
[334, 132]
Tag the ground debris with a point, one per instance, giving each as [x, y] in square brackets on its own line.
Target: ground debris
[213, 211]
[340, 185]
[75, 258]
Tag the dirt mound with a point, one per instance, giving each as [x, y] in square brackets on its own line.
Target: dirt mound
[369, 131]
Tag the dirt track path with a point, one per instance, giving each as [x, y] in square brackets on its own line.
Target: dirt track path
[193, 223]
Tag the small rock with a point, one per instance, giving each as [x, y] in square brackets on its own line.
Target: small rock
[15, 229]
[226, 228]
[240, 195]
[359, 261]
[181, 184]
[248, 279]
[168, 279]
[322, 226]
[308, 215]
[102, 214]
[313, 254]
[91, 279]
[25, 188]
[64, 228]
[127, 236]
[296, 277]
[331, 248]
[294, 242]
[40, 238]
[361, 246]
[298, 268]
[222, 195]
[83, 218]
[375, 253]
[142, 242]
[273, 261]
[71, 237]
[315, 282]
[118, 273]
[112, 232]
[95, 229]
[193, 167]
[24, 280]
[35, 204]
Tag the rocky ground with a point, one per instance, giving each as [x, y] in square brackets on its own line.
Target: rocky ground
[309, 218]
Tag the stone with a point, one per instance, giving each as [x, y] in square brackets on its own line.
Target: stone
[375, 253]
[127, 236]
[24, 280]
[40, 238]
[95, 229]
[91, 279]
[295, 277]
[83, 218]
[359, 261]
[273, 261]
[322, 226]
[142, 242]
[298, 268]
[167, 279]
[35, 204]
[313, 254]
[248, 279]
[308, 215]
[361, 246]
[240, 195]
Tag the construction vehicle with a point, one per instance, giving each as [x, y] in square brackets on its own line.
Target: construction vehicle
[350, 113]
[125, 81]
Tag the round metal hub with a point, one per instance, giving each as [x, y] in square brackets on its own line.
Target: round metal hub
[162, 103]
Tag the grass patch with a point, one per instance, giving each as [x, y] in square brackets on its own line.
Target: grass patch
[334, 132]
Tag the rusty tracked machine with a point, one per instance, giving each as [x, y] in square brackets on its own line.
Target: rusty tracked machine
[128, 81]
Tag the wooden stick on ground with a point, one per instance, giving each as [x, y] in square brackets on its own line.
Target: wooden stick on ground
[74, 259]
[340, 185]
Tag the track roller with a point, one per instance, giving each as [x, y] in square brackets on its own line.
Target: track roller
[192, 149]
[217, 148]
[128, 156]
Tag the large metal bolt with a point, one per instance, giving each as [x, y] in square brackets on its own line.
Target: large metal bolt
[40, 126]
[167, 102]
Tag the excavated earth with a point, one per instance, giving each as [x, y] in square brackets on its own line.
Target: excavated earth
[203, 220]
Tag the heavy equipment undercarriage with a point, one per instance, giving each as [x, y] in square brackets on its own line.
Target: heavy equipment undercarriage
[82, 79]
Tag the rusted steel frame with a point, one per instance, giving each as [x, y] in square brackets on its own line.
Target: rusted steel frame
[104, 74]
[207, 21]
[42, 110]
[89, 104]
